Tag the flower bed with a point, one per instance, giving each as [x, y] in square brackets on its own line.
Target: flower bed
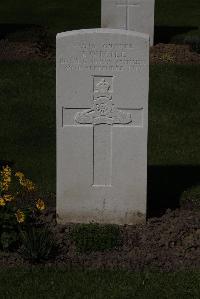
[21, 210]
[30, 235]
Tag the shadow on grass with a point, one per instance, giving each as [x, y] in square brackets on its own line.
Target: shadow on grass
[6, 29]
[166, 184]
[164, 34]
[164, 188]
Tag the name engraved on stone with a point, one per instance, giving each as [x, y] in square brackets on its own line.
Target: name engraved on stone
[109, 57]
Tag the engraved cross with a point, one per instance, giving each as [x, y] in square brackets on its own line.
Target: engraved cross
[128, 6]
[103, 115]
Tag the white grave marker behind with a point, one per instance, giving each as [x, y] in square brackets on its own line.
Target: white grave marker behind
[136, 15]
[102, 122]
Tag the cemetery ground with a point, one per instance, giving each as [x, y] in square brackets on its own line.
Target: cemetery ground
[168, 243]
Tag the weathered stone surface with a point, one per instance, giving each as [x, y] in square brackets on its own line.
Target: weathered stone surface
[137, 15]
[102, 123]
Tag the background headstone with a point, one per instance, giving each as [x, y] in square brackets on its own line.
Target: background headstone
[136, 15]
[102, 122]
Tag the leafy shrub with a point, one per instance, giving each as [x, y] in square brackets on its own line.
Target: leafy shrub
[9, 230]
[192, 40]
[191, 198]
[95, 237]
[19, 206]
[38, 244]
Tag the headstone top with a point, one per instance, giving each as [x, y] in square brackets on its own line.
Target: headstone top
[103, 31]
[135, 15]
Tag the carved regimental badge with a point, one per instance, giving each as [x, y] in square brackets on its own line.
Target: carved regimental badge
[103, 110]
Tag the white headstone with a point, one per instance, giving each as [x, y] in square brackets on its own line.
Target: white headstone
[136, 15]
[102, 121]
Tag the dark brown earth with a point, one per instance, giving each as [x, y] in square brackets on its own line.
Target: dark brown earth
[171, 242]
[18, 50]
[24, 50]
[173, 53]
[168, 243]
[159, 54]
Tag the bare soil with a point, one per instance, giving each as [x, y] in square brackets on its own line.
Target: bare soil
[168, 243]
[159, 54]
[18, 50]
[173, 53]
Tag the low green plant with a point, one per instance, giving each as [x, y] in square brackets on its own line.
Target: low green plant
[192, 40]
[19, 206]
[95, 237]
[9, 230]
[38, 244]
[191, 198]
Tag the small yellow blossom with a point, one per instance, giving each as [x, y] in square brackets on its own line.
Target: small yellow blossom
[40, 204]
[5, 178]
[20, 216]
[2, 202]
[29, 185]
[19, 174]
[6, 170]
[8, 197]
[26, 183]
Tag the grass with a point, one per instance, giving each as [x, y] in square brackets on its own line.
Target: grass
[27, 132]
[174, 115]
[94, 237]
[191, 196]
[57, 15]
[60, 16]
[60, 283]
[28, 124]
[176, 13]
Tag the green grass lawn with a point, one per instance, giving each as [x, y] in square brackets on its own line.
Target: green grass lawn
[27, 132]
[28, 124]
[177, 13]
[61, 16]
[60, 283]
[174, 136]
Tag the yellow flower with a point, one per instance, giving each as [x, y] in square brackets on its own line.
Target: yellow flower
[6, 170]
[2, 202]
[40, 204]
[20, 216]
[19, 174]
[8, 197]
[5, 185]
[29, 185]
[26, 183]
[6, 178]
